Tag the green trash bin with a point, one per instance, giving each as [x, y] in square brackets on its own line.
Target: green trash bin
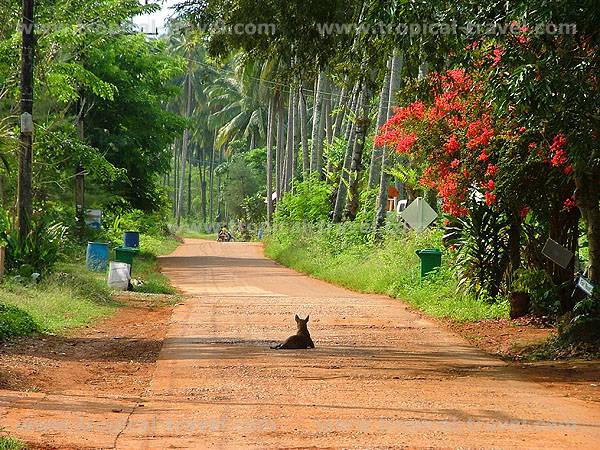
[125, 255]
[431, 258]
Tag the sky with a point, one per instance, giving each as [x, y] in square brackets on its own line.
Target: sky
[152, 22]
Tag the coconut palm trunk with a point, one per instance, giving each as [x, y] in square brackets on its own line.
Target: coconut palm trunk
[211, 179]
[185, 145]
[270, 129]
[381, 205]
[317, 129]
[342, 191]
[291, 127]
[340, 110]
[375, 166]
[362, 127]
[304, 133]
[279, 150]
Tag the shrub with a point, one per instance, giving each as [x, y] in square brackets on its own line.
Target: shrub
[15, 322]
[41, 249]
[309, 202]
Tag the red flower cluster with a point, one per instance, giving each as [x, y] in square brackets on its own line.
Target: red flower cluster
[479, 133]
[497, 53]
[405, 142]
[569, 204]
[464, 157]
[559, 156]
[452, 146]
[491, 171]
[490, 198]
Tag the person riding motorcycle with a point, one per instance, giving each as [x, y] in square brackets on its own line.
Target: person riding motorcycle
[224, 235]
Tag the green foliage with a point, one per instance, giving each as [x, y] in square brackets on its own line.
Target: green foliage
[58, 141]
[117, 220]
[146, 266]
[368, 201]
[309, 202]
[68, 298]
[241, 182]
[41, 248]
[481, 238]
[345, 255]
[134, 130]
[10, 443]
[543, 293]
[15, 322]
[254, 209]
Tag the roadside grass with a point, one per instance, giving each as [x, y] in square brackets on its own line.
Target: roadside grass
[10, 443]
[348, 259]
[198, 235]
[195, 231]
[146, 265]
[68, 298]
[72, 296]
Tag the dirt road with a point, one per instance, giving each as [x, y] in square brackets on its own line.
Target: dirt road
[380, 376]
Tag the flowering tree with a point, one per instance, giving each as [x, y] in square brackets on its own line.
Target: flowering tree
[469, 153]
[551, 78]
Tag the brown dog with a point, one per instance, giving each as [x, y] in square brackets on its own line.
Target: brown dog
[299, 340]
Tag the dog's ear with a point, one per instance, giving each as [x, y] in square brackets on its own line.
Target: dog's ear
[297, 318]
[306, 320]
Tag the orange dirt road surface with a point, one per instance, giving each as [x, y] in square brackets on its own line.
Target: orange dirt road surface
[379, 377]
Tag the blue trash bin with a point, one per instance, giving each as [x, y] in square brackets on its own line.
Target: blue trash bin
[96, 258]
[131, 239]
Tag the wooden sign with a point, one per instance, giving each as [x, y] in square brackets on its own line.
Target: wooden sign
[557, 253]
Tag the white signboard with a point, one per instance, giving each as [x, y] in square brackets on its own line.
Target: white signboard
[585, 285]
[418, 215]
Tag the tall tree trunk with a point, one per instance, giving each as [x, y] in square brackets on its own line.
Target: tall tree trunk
[270, 129]
[348, 120]
[25, 195]
[176, 152]
[189, 192]
[304, 133]
[375, 166]
[186, 142]
[291, 127]
[588, 200]
[203, 185]
[328, 124]
[362, 127]
[381, 204]
[219, 211]
[211, 178]
[341, 109]
[340, 199]
[317, 129]
[328, 127]
[279, 152]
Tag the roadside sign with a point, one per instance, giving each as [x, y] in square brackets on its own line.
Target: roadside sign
[557, 253]
[419, 215]
[585, 285]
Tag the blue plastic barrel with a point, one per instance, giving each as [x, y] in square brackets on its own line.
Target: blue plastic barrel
[131, 239]
[96, 258]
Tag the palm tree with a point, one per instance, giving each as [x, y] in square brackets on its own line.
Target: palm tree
[238, 99]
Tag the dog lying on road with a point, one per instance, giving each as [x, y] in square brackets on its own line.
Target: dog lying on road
[299, 340]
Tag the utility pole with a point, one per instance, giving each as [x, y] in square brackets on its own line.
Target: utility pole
[24, 199]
